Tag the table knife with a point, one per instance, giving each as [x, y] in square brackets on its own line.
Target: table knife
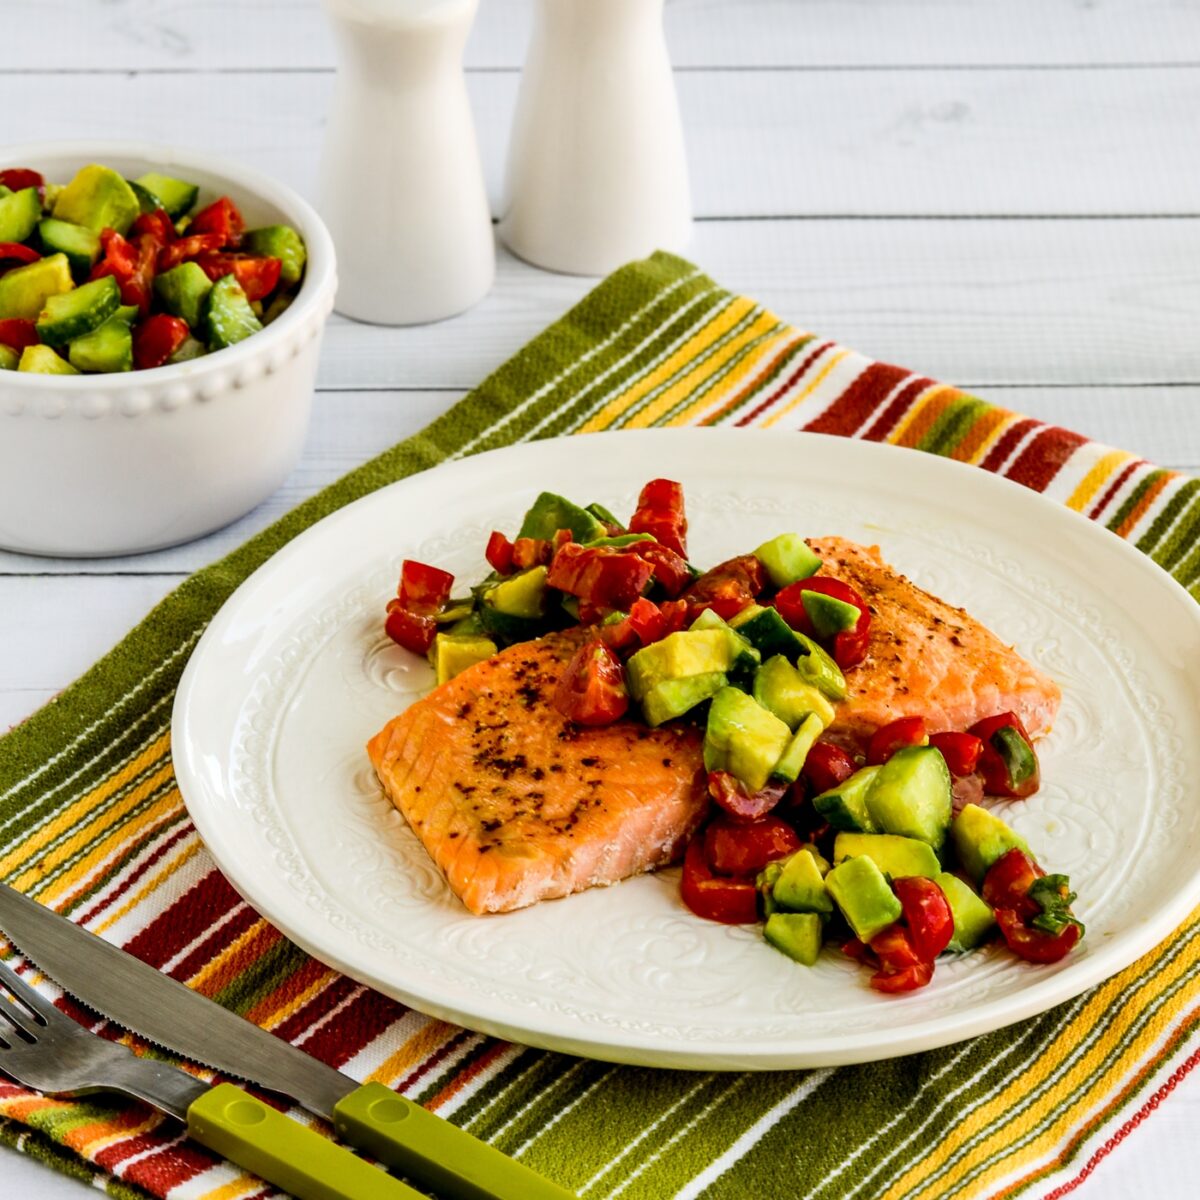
[426, 1149]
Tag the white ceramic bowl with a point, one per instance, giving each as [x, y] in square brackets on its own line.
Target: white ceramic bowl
[96, 465]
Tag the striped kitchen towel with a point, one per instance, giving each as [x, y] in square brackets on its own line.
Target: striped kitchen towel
[92, 824]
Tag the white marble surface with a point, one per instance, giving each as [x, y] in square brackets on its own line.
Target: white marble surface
[1006, 196]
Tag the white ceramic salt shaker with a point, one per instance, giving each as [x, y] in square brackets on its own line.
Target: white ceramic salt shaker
[597, 173]
[401, 184]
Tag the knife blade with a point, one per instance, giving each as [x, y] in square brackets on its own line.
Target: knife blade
[427, 1149]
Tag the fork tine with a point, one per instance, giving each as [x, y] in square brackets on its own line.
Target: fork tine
[36, 1003]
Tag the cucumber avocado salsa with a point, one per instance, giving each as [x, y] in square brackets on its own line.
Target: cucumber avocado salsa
[824, 841]
[106, 274]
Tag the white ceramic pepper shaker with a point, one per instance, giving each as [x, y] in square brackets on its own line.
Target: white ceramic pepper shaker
[597, 173]
[401, 184]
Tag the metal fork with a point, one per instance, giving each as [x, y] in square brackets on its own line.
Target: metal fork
[42, 1048]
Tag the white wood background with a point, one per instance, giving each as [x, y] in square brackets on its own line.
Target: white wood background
[1001, 193]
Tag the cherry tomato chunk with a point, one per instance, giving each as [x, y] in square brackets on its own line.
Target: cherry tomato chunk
[1008, 762]
[156, 338]
[1008, 880]
[960, 750]
[727, 899]
[896, 735]
[927, 915]
[826, 766]
[423, 589]
[1032, 944]
[221, 219]
[592, 690]
[740, 847]
[17, 333]
[499, 553]
[660, 513]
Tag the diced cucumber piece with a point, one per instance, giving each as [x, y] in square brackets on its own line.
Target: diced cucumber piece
[820, 670]
[671, 698]
[973, 916]
[182, 291]
[19, 213]
[226, 316]
[551, 512]
[845, 806]
[911, 795]
[74, 313]
[98, 198]
[743, 738]
[281, 242]
[800, 886]
[176, 196]
[8, 358]
[980, 838]
[25, 290]
[829, 615]
[895, 856]
[787, 769]
[80, 245]
[767, 632]
[189, 349]
[281, 302]
[765, 882]
[622, 539]
[454, 653]
[787, 558]
[108, 348]
[864, 897]
[779, 687]
[708, 619]
[42, 360]
[798, 935]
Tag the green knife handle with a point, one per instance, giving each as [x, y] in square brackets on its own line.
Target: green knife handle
[415, 1142]
[283, 1152]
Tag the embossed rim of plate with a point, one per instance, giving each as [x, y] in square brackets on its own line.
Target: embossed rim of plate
[766, 455]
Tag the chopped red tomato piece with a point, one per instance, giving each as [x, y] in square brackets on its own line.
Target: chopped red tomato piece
[592, 690]
[896, 735]
[17, 252]
[728, 587]
[156, 225]
[256, 275]
[1009, 880]
[647, 621]
[413, 631]
[423, 589]
[499, 553]
[848, 648]
[909, 979]
[186, 248]
[927, 915]
[726, 789]
[960, 750]
[17, 333]
[1032, 944]
[660, 513]
[222, 219]
[727, 899]
[1008, 762]
[860, 952]
[602, 576]
[530, 552]
[17, 179]
[131, 264]
[826, 766]
[670, 570]
[741, 847]
[901, 969]
[156, 338]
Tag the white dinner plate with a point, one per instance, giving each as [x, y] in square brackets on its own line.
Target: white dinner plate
[295, 674]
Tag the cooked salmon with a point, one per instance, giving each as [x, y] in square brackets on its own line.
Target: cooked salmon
[516, 804]
[927, 658]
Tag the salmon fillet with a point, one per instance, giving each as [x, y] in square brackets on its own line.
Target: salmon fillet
[927, 658]
[516, 804]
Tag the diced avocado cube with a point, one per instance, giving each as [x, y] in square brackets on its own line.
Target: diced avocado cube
[25, 290]
[829, 615]
[779, 687]
[864, 897]
[671, 698]
[767, 632]
[550, 512]
[191, 348]
[80, 245]
[70, 315]
[19, 213]
[98, 198]
[765, 882]
[603, 514]
[108, 348]
[454, 610]
[182, 291]
[787, 769]
[621, 539]
[895, 856]
[743, 738]
[710, 619]
[787, 558]
[973, 916]
[454, 653]
[798, 935]
[226, 316]
[688, 652]
[42, 360]
[281, 242]
[521, 595]
[819, 669]
[980, 838]
[911, 795]
[823, 864]
[800, 887]
[845, 806]
[176, 196]
[8, 358]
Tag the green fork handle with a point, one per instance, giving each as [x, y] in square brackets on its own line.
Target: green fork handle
[283, 1152]
[418, 1144]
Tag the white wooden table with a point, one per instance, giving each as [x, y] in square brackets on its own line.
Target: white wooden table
[1004, 194]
